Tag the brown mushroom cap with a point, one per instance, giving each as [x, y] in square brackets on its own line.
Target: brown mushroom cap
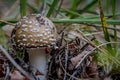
[34, 31]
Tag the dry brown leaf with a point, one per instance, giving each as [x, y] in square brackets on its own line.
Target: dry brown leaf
[16, 75]
[77, 58]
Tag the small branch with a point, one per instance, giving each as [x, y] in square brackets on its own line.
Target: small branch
[65, 70]
[66, 61]
[15, 64]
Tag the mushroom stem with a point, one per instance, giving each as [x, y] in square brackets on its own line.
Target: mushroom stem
[38, 61]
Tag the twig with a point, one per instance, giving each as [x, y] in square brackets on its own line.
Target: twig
[65, 70]
[66, 60]
[15, 64]
[7, 71]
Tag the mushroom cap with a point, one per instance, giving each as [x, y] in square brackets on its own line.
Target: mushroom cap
[34, 31]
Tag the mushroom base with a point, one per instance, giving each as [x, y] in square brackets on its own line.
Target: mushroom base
[39, 63]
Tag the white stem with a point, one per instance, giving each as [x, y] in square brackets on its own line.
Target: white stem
[38, 61]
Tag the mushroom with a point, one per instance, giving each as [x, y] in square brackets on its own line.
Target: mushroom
[35, 32]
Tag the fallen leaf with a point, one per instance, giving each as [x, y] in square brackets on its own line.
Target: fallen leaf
[16, 75]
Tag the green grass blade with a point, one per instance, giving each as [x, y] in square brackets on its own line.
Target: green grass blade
[2, 22]
[33, 7]
[2, 38]
[104, 25]
[52, 7]
[88, 6]
[73, 5]
[23, 7]
[97, 16]
[59, 7]
[67, 11]
[78, 2]
[107, 6]
[71, 12]
[97, 21]
[114, 17]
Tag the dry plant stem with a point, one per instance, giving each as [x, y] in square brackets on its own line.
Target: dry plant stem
[7, 71]
[81, 35]
[90, 42]
[38, 61]
[85, 57]
[66, 61]
[94, 50]
[7, 22]
[15, 64]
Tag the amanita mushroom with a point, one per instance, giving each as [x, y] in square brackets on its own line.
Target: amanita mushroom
[35, 32]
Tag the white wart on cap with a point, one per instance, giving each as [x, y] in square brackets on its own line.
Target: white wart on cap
[34, 31]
